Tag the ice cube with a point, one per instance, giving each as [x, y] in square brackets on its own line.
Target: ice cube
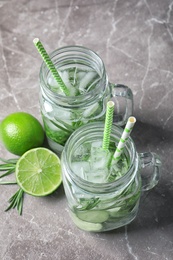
[97, 144]
[81, 169]
[100, 159]
[97, 175]
[64, 115]
[82, 152]
[66, 80]
[87, 80]
[47, 107]
[52, 82]
[73, 76]
[54, 86]
[93, 84]
[81, 74]
[99, 164]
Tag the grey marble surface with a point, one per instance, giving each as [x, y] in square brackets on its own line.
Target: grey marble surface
[135, 40]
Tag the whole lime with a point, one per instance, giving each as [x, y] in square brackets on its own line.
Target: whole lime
[20, 132]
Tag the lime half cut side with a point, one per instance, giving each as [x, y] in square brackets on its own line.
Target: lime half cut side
[38, 172]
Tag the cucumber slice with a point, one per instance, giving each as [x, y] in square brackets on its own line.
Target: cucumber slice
[87, 226]
[118, 213]
[94, 216]
[114, 212]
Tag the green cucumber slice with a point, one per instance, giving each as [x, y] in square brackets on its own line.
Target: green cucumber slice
[87, 226]
[114, 211]
[93, 216]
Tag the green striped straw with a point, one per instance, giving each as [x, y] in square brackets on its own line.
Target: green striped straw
[51, 66]
[108, 125]
[125, 135]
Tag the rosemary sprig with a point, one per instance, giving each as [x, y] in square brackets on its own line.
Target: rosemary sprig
[16, 201]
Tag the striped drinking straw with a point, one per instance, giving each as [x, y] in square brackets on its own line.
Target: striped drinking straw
[51, 66]
[125, 135]
[108, 125]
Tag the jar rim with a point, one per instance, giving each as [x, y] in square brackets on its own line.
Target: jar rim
[76, 138]
[67, 52]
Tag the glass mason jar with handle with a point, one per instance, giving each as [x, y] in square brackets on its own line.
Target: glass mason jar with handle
[83, 72]
[103, 195]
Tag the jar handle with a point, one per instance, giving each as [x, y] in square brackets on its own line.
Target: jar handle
[123, 99]
[151, 164]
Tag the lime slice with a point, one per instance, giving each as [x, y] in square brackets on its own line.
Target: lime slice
[38, 172]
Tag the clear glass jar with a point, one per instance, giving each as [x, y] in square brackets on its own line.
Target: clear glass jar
[105, 206]
[63, 114]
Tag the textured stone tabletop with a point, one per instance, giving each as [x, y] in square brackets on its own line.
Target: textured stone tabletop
[135, 40]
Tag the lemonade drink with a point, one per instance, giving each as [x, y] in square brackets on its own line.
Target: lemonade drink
[102, 194]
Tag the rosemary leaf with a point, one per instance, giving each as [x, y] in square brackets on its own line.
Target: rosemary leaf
[20, 202]
[5, 167]
[12, 203]
[13, 161]
[7, 173]
[14, 197]
[7, 182]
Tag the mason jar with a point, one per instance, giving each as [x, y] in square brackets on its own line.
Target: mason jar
[97, 202]
[84, 74]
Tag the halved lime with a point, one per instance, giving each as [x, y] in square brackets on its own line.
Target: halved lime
[38, 172]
